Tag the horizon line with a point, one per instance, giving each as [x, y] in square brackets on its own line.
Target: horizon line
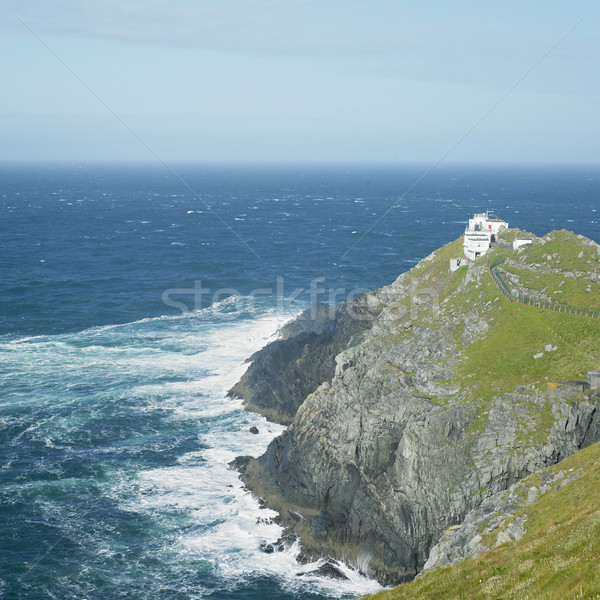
[67, 162]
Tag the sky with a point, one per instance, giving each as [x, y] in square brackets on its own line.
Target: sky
[300, 80]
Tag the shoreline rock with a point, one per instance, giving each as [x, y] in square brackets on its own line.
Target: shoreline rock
[287, 370]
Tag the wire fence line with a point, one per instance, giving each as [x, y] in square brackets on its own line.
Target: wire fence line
[525, 300]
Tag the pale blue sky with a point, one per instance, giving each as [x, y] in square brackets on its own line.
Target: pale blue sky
[300, 80]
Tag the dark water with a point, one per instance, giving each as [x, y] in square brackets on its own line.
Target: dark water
[114, 428]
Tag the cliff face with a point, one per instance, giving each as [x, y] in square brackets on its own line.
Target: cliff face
[283, 374]
[433, 403]
[500, 518]
[541, 539]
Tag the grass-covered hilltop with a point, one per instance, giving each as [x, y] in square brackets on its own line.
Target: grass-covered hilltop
[548, 331]
[416, 411]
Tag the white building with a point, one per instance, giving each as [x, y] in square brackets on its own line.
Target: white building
[481, 233]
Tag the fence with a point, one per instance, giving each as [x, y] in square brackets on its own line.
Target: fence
[523, 299]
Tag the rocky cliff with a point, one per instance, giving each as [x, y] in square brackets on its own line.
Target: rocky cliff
[498, 519]
[418, 402]
[283, 374]
[538, 539]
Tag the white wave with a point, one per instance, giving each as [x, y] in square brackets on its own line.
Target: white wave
[229, 525]
[181, 366]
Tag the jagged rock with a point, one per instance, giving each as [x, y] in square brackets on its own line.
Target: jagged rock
[494, 515]
[532, 495]
[568, 480]
[327, 569]
[302, 358]
[254, 430]
[514, 531]
[278, 546]
[239, 463]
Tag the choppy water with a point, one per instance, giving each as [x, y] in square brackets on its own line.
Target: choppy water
[115, 428]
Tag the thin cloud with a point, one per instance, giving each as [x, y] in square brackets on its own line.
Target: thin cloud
[385, 38]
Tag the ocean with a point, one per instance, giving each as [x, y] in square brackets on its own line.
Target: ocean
[131, 298]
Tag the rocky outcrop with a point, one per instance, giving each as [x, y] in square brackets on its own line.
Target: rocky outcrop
[377, 485]
[287, 370]
[393, 443]
[497, 520]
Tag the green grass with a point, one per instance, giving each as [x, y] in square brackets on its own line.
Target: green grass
[560, 289]
[430, 281]
[503, 358]
[567, 246]
[433, 277]
[540, 421]
[510, 235]
[437, 270]
[557, 558]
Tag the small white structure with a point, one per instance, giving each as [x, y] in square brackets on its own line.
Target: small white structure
[481, 233]
[521, 242]
[593, 378]
[456, 263]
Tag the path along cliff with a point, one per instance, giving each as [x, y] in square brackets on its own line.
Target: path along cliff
[413, 404]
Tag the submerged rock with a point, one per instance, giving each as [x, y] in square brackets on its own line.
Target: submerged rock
[327, 569]
[278, 546]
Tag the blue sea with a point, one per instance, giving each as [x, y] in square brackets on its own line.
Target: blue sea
[130, 299]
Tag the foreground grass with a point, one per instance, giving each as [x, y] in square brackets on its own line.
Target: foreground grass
[557, 559]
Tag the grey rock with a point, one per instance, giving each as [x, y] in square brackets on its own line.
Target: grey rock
[278, 546]
[327, 569]
[532, 495]
[494, 514]
[287, 370]
[568, 480]
[514, 531]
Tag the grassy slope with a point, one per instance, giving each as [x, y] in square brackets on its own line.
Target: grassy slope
[556, 559]
[560, 290]
[503, 358]
[563, 251]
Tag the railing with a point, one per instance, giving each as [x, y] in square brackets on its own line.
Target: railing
[523, 299]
